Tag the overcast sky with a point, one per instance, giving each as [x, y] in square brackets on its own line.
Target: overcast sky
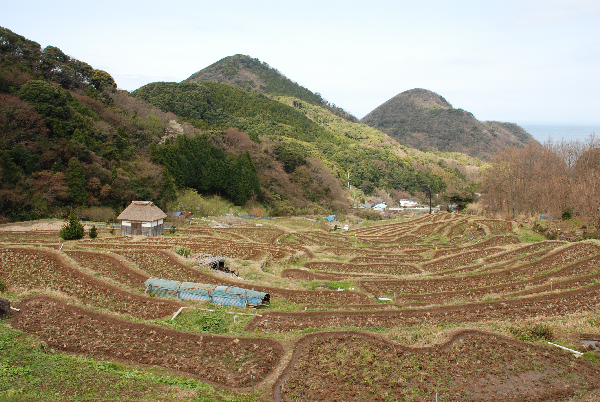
[523, 61]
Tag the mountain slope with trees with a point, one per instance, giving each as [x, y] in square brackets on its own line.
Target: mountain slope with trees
[253, 75]
[425, 120]
[71, 140]
[295, 132]
[553, 179]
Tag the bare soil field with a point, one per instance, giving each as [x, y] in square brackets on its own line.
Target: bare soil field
[544, 268]
[550, 305]
[471, 365]
[222, 360]
[381, 268]
[448, 306]
[32, 269]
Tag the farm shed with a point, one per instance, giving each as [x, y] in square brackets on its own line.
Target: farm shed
[225, 295]
[213, 261]
[182, 215]
[142, 218]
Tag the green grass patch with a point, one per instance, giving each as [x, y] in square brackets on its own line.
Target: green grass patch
[593, 357]
[330, 285]
[532, 333]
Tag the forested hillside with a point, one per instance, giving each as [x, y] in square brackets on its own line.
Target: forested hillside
[553, 179]
[252, 75]
[296, 132]
[422, 119]
[70, 139]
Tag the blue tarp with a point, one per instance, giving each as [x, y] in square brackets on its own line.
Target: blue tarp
[226, 295]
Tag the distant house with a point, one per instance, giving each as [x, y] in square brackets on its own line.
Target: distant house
[142, 218]
[408, 203]
[380, 207]
[182, 215]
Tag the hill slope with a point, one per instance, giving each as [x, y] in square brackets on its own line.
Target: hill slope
[423, 119]
[71, 140]
[253, 75]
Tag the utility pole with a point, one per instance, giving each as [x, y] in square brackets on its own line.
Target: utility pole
[429, 186]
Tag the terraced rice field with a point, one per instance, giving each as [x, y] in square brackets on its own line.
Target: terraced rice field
[436, 306]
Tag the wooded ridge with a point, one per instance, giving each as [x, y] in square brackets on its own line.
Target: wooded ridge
[70, 139]
[425, 120]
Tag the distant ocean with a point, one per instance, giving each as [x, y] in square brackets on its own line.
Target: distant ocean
[557, 133]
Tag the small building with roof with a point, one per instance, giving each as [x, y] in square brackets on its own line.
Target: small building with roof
[380, 207]
[142, 218]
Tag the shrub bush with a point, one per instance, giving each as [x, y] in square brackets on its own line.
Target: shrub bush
[183, 251]
[567, 214]
[369, 215]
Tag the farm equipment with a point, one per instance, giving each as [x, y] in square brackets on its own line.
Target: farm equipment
[225, 295]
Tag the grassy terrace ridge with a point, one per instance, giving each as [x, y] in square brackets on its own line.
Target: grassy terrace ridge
[87, 330]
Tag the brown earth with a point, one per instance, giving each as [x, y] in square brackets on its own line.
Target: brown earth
[551, 305]
[36, 269]
[221, 360]
[566, 255]
[471, 365]
[341, 365]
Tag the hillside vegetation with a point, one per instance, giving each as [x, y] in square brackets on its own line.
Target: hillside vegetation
[71, 140]
[252, 75]
[423, 119]
[295, 131]
[556, 180]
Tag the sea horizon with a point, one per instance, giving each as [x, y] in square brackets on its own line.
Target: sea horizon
[558, 132]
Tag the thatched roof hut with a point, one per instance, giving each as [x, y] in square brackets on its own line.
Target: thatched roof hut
[142, 218]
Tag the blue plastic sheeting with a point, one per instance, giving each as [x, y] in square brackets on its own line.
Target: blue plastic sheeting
[225, 295]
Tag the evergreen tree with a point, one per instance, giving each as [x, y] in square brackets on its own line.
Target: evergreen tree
[73, 229]
[93, 232]
[76, 182]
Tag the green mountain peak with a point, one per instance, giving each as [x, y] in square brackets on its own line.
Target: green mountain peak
[253, 75]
